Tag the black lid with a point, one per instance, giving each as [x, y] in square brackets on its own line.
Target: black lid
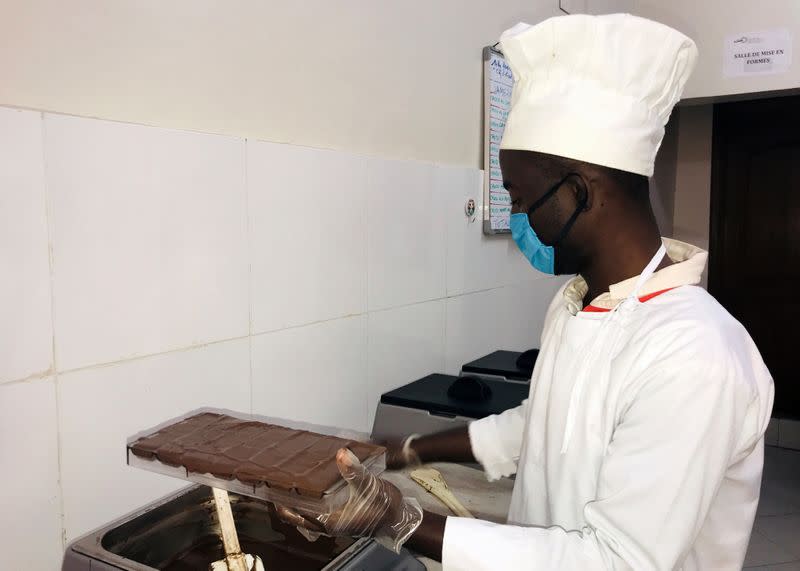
[509, 364]
[431, 394]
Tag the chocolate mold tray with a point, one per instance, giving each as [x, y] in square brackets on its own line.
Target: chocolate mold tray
[331, 498]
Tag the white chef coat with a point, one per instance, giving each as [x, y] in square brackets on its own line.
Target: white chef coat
[641, 444]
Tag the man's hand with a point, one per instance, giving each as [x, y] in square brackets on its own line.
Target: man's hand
[400, 453]
[375, 508]
[448, 446]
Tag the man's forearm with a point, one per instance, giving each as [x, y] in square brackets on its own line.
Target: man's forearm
[448, 446]
[427, 539]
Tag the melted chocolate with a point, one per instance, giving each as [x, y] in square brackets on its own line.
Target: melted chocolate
[293, 552]
[281, 547]
[252, 452]
[209, 549]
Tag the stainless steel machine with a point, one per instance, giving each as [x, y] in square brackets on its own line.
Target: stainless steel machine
[438, 402]
[489, 385]
[180, 532]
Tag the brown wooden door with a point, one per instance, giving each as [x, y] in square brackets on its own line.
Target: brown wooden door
[755, 231]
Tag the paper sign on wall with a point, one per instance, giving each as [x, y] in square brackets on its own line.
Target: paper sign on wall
[498, 85]
[758, 53]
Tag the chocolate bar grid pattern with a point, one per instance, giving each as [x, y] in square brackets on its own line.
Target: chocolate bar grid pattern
[252, 452]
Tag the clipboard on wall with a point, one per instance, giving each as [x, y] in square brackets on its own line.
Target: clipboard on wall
[498, 82]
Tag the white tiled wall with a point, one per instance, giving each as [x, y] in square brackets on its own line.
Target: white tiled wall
[316, 373]
[307, 211]
[509, 317]
[30, 517]
[26, 332]
[404, 343]
[149, 239]
[101, 407]
[475, 262]
[171, 270]
[405, 234]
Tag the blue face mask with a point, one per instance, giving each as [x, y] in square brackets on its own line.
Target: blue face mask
[541, 256]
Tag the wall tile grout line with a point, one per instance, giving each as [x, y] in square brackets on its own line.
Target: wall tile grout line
[249, 268]
[446, 289]
[32, 377]
[185, 348]
[366, 173]
[51, 372]
[365, 364]
[233, 136]
[62, 514]
[49, 221]
[453, 296]
[444, 337]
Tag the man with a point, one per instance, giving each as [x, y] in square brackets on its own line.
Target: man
[641, 445]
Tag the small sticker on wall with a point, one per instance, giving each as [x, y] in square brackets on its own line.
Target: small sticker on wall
[758, 53]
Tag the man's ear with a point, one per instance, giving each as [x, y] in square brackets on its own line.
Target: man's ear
[583, 191]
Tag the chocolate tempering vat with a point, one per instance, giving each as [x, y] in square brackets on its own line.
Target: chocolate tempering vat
[180, 532]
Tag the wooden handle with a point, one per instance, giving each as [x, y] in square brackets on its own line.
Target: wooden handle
[233, 553]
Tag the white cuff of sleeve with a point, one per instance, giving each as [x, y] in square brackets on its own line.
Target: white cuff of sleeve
[487, 447]
[453, 556]
[469, 545]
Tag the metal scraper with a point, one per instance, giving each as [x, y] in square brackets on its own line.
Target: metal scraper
[433, 481]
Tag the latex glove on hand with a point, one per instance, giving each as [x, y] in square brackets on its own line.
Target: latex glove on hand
[400, 453]
[376, 508]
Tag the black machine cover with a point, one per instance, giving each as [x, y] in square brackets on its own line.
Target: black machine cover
[512, 365]
[431, 394]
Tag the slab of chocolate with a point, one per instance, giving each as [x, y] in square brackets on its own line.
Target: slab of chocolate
[252, 452]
